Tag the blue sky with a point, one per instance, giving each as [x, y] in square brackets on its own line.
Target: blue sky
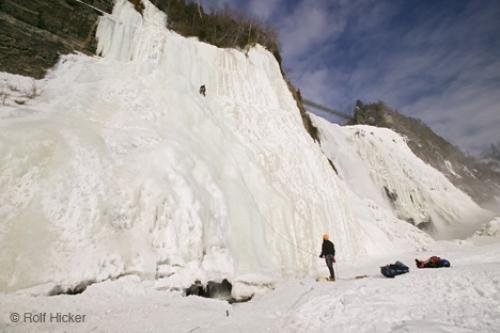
[437, 60]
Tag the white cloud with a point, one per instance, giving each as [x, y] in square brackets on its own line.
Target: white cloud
[309, 25]
[263, 9]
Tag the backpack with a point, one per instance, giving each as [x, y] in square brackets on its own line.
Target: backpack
[392, 270]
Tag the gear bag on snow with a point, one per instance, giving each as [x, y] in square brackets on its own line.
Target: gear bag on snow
[392, 270]
[432, 262]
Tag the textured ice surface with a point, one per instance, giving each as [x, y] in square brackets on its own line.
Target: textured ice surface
[378, 165]
[492, 228]
[16, 90]
[120, 166]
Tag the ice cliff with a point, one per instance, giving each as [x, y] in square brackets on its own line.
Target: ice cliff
[120, 166]
[378, 165]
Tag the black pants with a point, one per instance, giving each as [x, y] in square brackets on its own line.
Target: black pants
[329, 263]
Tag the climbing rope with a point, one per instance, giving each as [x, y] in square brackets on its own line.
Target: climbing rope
[94, 8]
[110, 15]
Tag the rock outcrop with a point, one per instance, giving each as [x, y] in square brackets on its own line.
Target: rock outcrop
[34, 33]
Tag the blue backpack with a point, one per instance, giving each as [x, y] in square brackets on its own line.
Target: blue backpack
[392, 270]
[445, 263]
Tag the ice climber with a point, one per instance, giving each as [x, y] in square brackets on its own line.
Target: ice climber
[328, 251]
[203, 90]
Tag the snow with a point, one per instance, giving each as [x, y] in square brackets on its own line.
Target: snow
[16, 90]
[372, 159]
[492, 228]
[121, 167]
[449, 166]
[117, 172]
[463, 298]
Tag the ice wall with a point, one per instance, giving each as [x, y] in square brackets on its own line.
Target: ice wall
[120, 166]
[378, 165]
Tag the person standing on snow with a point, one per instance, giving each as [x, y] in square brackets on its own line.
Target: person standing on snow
[328, 251]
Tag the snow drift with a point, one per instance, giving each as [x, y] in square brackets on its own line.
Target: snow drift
[378, 165]
[121, 167]
[492, 228]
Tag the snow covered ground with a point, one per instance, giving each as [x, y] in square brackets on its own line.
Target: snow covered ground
[16, 89]
[463, 298]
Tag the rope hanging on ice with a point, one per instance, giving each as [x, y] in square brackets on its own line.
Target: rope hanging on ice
[109, 15]
[93, 7]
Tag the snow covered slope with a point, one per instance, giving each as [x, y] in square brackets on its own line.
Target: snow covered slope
[378, 165]
[121, 167]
